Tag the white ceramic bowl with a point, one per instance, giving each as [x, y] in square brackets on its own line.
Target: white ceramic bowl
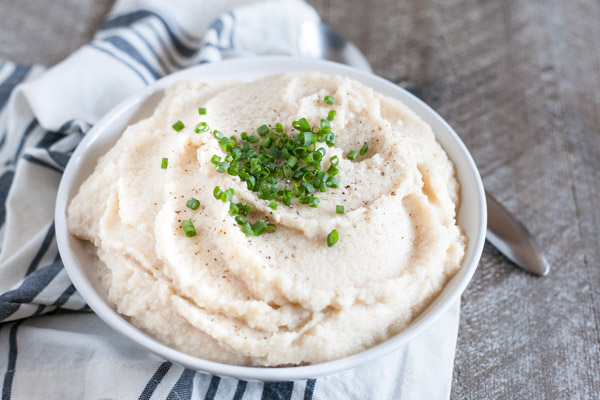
[471, 215]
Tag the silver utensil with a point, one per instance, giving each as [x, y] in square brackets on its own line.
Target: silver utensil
[505, 232]
[513, 240]
[318, 40]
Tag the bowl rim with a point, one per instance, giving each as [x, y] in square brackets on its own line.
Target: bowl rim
[268, 65]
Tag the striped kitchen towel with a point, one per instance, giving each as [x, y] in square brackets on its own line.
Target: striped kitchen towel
[51, 345]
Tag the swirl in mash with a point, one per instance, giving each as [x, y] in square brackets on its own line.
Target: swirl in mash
[284, 298]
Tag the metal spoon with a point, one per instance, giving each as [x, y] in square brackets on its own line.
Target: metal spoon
[505, 232]
[318, 40]
[511, 238]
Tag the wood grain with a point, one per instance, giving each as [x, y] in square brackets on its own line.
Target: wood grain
[519, 80]
[47, 32]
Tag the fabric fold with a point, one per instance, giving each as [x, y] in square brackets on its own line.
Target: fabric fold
[70, 352]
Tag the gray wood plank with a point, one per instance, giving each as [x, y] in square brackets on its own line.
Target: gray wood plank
[519, 81]
[45, 32]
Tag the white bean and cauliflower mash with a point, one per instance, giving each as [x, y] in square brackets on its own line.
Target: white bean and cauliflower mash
[295, 219]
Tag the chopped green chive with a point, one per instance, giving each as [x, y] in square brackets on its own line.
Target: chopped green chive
[201, 127]
[265, 194]
[308, 188]
[247, 229]
[218, 134]
[215, 159]
[303, 124]
[307, 138]
[332, 170]
[164, 163]
[233, 169]
[259, 227]
[188, 228]
[364, 149]
[333, 182]
[263, 130]
[244, 209]
[192, 203]
[217, 192]
[177, 126]
[287, 197]
[332, 238]
[278, 165]
[202, 110]
[222, 166]
[322, 176]
[233, 209]
[312, 201]
[292, 162]
[227, 195]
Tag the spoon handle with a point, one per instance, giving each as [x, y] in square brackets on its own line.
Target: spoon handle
[513, 240]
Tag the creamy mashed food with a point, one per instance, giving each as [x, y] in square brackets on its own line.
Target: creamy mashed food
[283, 298]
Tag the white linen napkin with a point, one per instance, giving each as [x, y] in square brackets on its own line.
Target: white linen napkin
[51, 346]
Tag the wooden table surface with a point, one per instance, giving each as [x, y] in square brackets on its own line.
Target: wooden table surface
[520, 82]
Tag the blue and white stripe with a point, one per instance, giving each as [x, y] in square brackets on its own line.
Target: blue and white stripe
[147, 44]
[51, 346]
